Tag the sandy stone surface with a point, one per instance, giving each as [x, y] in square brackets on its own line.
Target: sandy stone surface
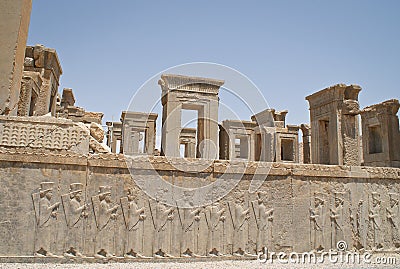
[377, 261]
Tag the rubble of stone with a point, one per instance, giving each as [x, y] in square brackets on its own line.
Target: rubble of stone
[67, 109]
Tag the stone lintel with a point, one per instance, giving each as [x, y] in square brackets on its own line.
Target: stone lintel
[138, 116]
[239, 124]
[338, 92]
[44, 58]
[114, 124]
[171, 82]
[388, 107]
[188, 131]
[265, 117]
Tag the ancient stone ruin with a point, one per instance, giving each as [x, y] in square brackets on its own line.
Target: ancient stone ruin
[69, 194]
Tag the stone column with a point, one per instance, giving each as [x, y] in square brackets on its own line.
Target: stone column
[135, 141]
[306, 130]
[127, 140]
[207, 147]
[150, 136]
[232, 145]
[25, 96]
[30, 88]
[14, 24]
[190, 150]
[171, 127]
[268, 135]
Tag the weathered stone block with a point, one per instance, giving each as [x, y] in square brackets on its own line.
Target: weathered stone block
[14, 24]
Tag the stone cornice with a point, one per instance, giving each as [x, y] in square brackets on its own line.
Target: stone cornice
[161, 163]
[170, 82]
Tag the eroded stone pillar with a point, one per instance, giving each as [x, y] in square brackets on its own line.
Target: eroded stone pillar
[14, 24]
[380, 134]
[114, 134]
[30, 88]
[306, 130]
[334, 125]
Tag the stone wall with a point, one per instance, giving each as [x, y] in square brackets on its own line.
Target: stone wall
[43, 135]
[298, 208]
[14, 24]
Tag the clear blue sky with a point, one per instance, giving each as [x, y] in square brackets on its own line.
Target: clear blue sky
[289, 49]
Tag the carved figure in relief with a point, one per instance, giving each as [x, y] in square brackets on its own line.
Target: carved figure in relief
[317, 222]
[358, 224]
[264, 218]
[105, 215]
[75, 211]
[46, 217]
[134, 217]
[163, 218]
[392, 214]
[190, 223]
[337, 222]
[240, 217]
[375, 221]
[215, 221]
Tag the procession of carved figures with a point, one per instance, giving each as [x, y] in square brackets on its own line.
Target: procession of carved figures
[369, 222]
[214, 230]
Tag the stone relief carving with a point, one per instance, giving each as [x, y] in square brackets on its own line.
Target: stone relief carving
[75, 211]
[358, 222]
[264, 218]
[337, 219]
[215, 217]
[105, 216]
[173, 231]
[44, 135]
[133, 217]
[190, 219]
[375, 233]
[163, 217]
[392, 214]
[46, 214]
[240, 217]
[317, 222]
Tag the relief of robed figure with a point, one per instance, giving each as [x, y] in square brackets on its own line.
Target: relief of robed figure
[393, 217]
[163, 218]
[133, 218]
[264, 218]
[240, 217]
[215, 217]
[46, 214]
[105, 216]
[75, 212]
